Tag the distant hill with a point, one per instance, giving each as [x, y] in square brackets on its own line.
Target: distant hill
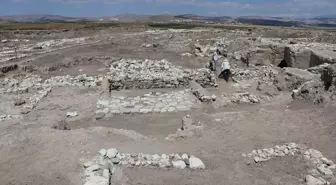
[43, 19]
[322, 21]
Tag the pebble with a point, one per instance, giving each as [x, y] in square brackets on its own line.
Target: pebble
[196, 163]
[88, 164]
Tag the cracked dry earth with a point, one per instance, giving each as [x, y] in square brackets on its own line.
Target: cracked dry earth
[68, 130]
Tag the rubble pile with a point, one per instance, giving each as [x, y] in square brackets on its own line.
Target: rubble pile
[153, 102]
[105, 164]
[147, 74]
[208, 50]
[189, 128]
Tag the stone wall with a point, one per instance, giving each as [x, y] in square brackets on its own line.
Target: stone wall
[148, 74]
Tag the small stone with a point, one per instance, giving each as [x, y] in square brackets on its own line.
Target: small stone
[243, 155]
[137, 163]
[310, 180]
[88, 164]
[213, 97]
[306, 157]
[115, 160]
[164, 162]
[72, 114]
[102, 152]
[185, 156]
[324, 171]
[286, 151]
[155, 157]
[177, 157]
[111, 153]
[196, 163]
[93, 168]
[19, 102]
[315, 153]
[179, 164]
[164, 156]
[326, 161]
[256, 159]
[103, 162]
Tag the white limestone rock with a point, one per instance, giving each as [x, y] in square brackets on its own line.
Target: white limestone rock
[196, 163]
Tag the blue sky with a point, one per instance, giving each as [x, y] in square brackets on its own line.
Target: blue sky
[98, 8]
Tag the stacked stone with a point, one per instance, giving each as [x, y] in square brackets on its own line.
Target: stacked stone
[266, 154]
[147, 74]
[105, 164]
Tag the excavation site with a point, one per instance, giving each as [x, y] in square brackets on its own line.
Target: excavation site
[135, 105]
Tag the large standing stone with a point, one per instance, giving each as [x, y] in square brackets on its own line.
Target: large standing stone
[196, 163]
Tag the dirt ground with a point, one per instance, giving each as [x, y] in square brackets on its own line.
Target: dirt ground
[32, 152]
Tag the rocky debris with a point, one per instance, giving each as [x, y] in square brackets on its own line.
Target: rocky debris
[139, 74]
[179, 164]
[266, 154]
[4, 41]
[153, 102]
[10, 117]
[319, 57]
[71, 114]
[19, 101]
[202, 94]
[189, 128]
[246, 97]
